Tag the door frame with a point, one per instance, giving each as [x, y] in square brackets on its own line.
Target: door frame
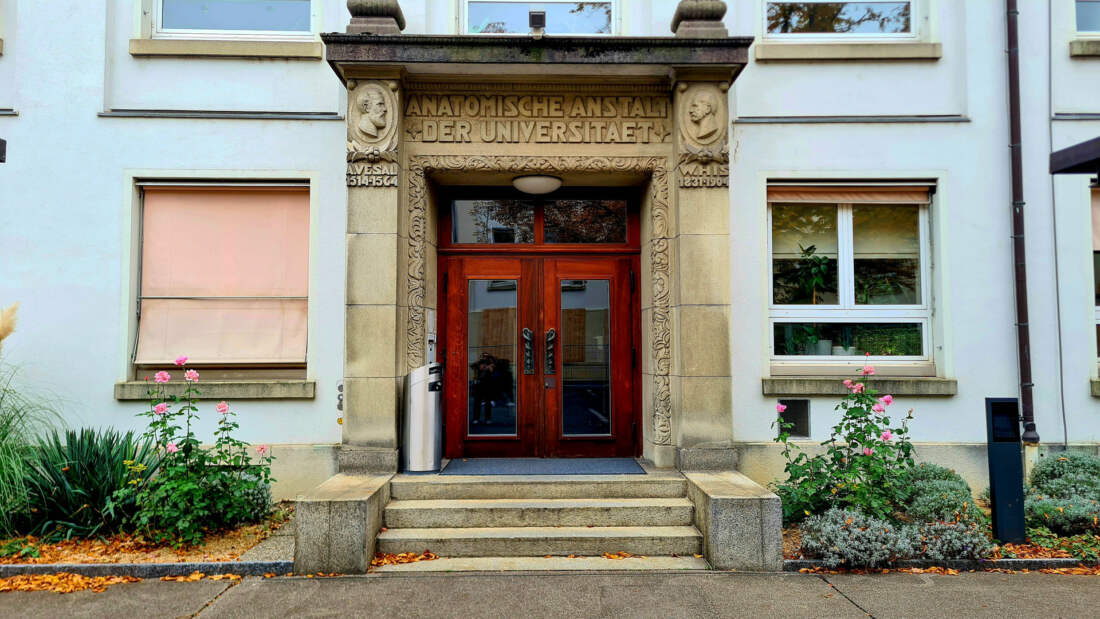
[456, 443]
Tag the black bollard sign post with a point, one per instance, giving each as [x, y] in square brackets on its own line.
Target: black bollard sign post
[1006, 469]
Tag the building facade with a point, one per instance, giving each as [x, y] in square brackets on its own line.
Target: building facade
[742, 219]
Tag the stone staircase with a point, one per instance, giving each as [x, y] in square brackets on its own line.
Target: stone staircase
[541, 516]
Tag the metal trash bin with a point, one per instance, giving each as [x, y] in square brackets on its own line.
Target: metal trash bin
[422, 422]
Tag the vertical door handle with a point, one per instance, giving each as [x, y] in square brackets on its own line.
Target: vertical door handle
[551, 366]
[528, 351]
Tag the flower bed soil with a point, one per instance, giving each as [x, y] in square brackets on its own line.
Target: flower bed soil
[217, 547]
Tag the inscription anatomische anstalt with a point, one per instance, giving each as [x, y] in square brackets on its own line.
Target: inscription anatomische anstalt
[537, 119]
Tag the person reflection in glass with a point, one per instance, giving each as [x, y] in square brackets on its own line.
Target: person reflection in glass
[483, 388]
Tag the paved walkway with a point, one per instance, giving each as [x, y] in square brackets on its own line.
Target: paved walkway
[663, 595]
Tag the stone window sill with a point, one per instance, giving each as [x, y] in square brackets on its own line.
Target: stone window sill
[1, 47]
[306, 50]
[227, 390]
[1084, 48]
[1094, 388]
[847, 51]
[831, 385]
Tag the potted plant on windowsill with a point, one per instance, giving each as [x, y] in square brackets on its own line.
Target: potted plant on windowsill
[846, 348]
[810, 273]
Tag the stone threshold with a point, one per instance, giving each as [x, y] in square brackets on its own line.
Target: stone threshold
[793, 565]
[549, 564]
[151, 570]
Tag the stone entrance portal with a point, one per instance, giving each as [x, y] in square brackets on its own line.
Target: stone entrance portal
[650, 114]
[430, 115]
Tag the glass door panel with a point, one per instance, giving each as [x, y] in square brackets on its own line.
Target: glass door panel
[586, 359]
[492, 327]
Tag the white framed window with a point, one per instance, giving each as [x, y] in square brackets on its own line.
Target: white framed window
[223, 276]
[1095, 193]
[1088, 17]
[288, 20]
[850, 274]
[827, 19]
[562, 17]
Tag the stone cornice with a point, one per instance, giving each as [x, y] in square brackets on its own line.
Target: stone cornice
[471, 51]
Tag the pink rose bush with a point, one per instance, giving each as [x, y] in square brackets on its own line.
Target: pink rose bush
[196, 488]
[863, 463]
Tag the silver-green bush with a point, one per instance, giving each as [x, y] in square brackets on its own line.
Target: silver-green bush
[941, 541]
[842, 537]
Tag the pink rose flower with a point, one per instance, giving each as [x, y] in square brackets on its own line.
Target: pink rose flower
[181, 360]
[878, 408]
[161, 408]
[162, 377]
[222, 407]
[867, 371]
[781, 407]
[887, 435]
[847, 383]
[261, 449]
[886, 400]
[191, 376]
[857, 388]
[171, 448]
[868, 451]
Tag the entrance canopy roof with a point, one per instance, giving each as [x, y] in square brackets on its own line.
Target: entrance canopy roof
[1083, 158]
[353, 55]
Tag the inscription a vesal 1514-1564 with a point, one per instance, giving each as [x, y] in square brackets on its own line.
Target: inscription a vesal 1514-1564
[538, 119]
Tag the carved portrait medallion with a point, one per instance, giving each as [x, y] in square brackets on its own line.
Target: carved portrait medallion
[703, 115]
[372, 121]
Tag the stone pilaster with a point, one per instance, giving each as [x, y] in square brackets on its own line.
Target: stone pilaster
[372, 378]
[702, 272]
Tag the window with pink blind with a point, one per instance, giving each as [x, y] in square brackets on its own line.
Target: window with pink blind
[224, 275]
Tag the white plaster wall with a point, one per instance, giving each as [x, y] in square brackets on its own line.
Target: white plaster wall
[63, 235]
[64, 198]
[972, 270]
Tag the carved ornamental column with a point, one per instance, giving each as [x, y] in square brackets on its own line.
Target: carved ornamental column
[372, 376]
[702, 272]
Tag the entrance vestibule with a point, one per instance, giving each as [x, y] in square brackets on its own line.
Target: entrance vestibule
[540, 318]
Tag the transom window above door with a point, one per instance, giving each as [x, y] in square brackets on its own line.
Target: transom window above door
[850, 273]
[234, 18]
[562, 17]
[825, 17]
[526, 221]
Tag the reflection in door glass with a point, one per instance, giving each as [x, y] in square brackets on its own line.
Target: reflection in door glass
[491, 352]
[493, 222]
[585, 221]
[586, 367]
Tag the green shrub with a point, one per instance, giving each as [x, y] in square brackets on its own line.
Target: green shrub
[849, 538]
[1066, 516]
[1069, 474]
[940, 541]
[74, 476]
[1085, 546]
[926, 471]
[22, 417]
[1065, 494]
[942, 500]
[195, 490]
[863, 466]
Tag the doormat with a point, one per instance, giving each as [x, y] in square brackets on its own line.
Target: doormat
[543, 466]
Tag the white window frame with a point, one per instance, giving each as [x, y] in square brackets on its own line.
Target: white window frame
[915, 18]
[160, 32]
[1082, 34]
[846, 310]
[464, 19]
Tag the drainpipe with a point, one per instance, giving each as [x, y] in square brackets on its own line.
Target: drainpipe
[1023, 335]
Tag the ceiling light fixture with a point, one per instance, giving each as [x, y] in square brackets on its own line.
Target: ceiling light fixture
[536, 184]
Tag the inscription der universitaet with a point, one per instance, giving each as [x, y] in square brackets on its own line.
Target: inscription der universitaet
[542, 119]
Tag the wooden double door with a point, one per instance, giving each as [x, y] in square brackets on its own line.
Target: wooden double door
[539, 354]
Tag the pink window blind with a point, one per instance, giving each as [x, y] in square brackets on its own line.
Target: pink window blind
[848, 194]
[224, 275]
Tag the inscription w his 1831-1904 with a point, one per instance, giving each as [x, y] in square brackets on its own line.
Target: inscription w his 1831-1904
[540, 119]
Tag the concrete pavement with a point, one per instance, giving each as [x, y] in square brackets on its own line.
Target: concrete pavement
[664, 595]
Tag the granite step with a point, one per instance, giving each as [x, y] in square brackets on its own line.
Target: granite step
[616, 512]
[543, 541]
[434, 487]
